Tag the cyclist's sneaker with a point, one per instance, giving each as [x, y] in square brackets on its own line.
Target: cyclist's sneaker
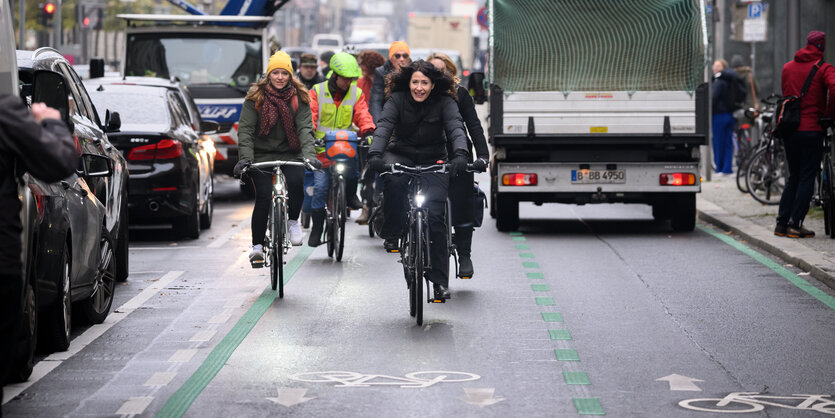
[354, 203]
[780, 230]
[391, 245]
[256, 256]
[294, 230]
[799, 232]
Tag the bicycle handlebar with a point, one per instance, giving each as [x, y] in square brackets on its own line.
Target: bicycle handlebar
[278, 163]
[398, 168]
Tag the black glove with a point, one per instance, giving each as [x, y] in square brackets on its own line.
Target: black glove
[315, 163]
[458, 165]
[480, 165]
[376, 164]
[240, 167]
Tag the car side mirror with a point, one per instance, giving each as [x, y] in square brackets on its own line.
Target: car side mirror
[475, 85]
[50, 88]
[209, 127]
[112, 121]
[96, 165]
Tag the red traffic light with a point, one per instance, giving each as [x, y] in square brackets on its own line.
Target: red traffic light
[86, 21]
[49, 8]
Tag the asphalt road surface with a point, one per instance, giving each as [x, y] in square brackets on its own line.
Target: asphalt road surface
[585, 311]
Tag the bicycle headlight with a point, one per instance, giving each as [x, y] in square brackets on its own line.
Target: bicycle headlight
[419, 199]
[340, 168]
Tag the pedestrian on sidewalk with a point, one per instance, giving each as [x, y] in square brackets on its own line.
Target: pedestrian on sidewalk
[723, 119]
[804, 148]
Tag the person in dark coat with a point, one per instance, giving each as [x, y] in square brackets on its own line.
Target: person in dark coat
[39, 143]
[804, 149]
[325, 63]
[308, 72]
[398, 58]
[723, 119]
[419, 123]
[461, 187]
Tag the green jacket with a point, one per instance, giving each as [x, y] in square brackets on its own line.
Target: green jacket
[274, 146]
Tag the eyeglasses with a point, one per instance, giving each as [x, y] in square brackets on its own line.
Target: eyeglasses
[398, 56]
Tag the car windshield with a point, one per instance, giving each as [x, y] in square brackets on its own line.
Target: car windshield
[138, 106]
[220, 60]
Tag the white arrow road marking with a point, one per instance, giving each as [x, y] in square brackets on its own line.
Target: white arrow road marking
[679, 382]
[480, 396]
[291, 396]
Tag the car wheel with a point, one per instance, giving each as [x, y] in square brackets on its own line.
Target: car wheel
[96, 307]
[122, 251]
[25, 356]
[208, 211]
[189, 226]
[54, 329]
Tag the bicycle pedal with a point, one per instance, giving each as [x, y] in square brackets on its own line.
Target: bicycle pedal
[437, 300]
[257, 264]
[464, 277]
[393, 251]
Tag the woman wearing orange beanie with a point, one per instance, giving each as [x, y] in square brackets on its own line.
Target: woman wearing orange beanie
[398, 58]
[276, 122]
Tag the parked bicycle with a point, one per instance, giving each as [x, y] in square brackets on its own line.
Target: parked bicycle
[767, 170]
[826, 178]
[276, 241]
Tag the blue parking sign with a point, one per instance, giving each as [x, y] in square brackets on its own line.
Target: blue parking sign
[755, 10]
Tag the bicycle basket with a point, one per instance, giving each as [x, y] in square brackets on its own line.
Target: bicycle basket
[340, 145]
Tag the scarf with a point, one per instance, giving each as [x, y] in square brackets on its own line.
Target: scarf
[275, 105]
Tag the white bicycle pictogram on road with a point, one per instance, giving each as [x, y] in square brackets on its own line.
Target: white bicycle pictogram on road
[745, 402]
[414, 380]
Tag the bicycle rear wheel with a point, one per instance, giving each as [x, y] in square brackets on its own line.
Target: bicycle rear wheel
[767, 175]
[339, 219]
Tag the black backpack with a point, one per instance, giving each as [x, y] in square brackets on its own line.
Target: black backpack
[737, 91]
[787, 112]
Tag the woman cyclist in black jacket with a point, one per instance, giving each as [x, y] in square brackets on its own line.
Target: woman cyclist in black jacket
[461, 187]
[418, 121]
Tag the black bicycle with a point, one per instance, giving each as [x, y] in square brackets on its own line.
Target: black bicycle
[337, 210]
[276, 242]
[826, 180]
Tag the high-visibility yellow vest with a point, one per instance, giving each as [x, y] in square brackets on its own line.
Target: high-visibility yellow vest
[331, 117]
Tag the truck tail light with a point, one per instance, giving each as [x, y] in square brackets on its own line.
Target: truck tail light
[164, 149]
[677, 179]
[519, 179]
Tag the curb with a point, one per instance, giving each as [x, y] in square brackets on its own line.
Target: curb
[786, 249]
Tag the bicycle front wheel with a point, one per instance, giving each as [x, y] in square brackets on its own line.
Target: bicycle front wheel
[339, 221]
[419, 262]
[828, 195]
[767, 175]
[277, 231]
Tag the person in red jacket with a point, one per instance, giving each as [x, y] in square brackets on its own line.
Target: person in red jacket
[804, 148]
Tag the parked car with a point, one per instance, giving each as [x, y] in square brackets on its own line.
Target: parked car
[170, 164]
[322, 42]
[79, 113]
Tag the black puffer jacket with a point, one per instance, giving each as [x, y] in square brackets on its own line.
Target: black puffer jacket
[46, 150]
[416, 129]
[378, 90]
[467, 108]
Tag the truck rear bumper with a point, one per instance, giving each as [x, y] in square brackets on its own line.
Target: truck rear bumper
[560, 182]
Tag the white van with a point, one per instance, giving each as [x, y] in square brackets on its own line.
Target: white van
[326, 42]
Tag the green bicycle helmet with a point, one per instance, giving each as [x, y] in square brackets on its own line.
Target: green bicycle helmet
[345, 65]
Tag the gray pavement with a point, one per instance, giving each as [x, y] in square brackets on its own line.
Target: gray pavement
[720, 203]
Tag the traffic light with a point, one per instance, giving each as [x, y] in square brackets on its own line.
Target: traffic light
[100, 18]
[47, 11]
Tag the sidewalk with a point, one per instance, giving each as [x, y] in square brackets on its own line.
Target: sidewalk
[720, 203]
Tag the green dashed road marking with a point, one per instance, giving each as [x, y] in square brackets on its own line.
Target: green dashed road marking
[515, 233]
[545, 301]
[782, 271]
[540, 288]
[576, 378]
[523, 247]
[530, 265]
[566, 354]
[559, 334]
[181, 400]
[519, 238]
[552, 317]
[526, 255]
[536, 276]
[588, 406]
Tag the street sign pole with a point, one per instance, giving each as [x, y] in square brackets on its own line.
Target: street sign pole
[59, 26]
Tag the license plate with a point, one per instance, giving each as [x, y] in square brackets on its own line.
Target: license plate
[598, 176]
